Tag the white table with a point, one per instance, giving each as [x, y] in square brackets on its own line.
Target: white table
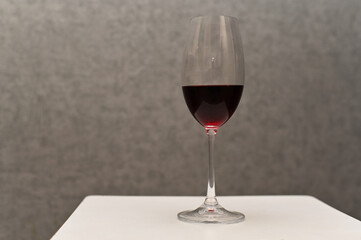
[267, 217]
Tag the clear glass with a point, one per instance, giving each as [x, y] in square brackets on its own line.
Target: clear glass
[212, 83]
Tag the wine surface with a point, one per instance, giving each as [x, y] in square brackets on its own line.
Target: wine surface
[212, 105]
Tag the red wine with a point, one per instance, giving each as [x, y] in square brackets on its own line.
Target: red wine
[212, 105]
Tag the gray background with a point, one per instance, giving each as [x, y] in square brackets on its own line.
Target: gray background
[90, 103]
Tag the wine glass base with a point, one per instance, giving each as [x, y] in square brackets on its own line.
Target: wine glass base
[211, 214]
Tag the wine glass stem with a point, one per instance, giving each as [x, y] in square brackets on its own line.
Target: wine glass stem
[211, 191]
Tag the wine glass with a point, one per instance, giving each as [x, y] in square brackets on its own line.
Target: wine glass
[212, 84]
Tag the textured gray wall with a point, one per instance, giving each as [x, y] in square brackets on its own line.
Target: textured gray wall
[90, 103]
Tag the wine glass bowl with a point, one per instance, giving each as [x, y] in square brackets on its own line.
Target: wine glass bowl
[212, 84]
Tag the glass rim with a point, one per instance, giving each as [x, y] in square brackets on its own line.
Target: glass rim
[213, 17]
